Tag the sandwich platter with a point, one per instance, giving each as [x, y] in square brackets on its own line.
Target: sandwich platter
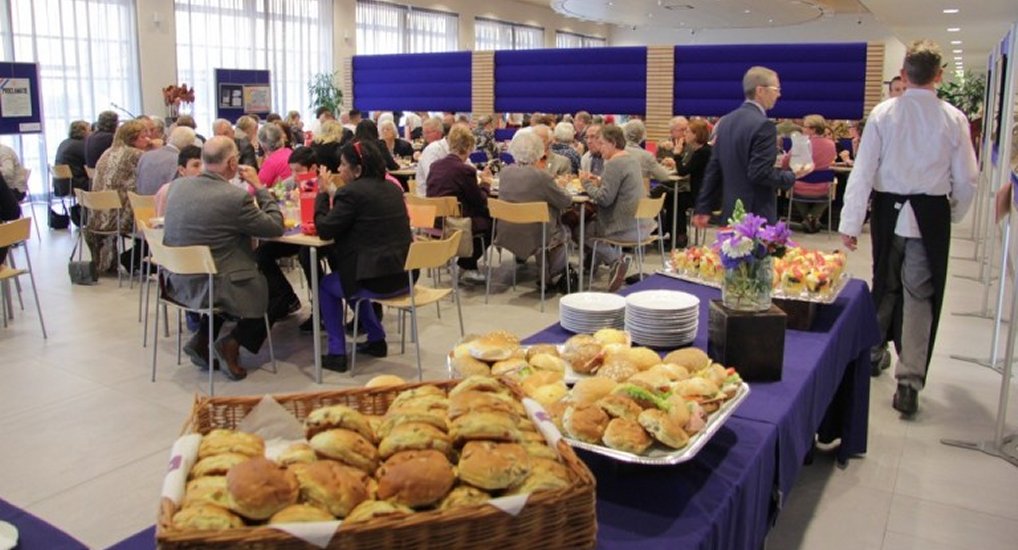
[659, 455]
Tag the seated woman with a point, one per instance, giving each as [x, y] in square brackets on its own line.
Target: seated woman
[116, 170]
[565, 143]
[369, 223]
[366, 131]
[397, 147]
[328, 143]
[453, 176]
[814, 126]
[524, 181]
[10, 210]
[617, 193]
[71, 152]
[692, 165]
[276, 166]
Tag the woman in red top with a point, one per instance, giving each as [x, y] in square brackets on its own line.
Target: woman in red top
[824, 154]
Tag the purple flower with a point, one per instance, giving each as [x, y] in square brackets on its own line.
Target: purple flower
[750, 225]
[776, 235]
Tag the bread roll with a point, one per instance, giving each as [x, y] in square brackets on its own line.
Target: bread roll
[297, 453]
[494, 346]
[259, 488]
[550, 393]
[513, 364]
[583, 353]
[493, 466]
[545, 475]
[536, 349]
[462, 496]
[586, 423]
[663, 429]
[672, 372]
[414, 436]
[678, 410]
[206, 490]
[612, 336]
[539, 450]
[415, 478]
[468, 366]
[216, 465]
[478, 383]
[538, 379]
[332, 486]
[414, 393]
[642, 358]
[371, 509]
[627, 435]
[618, 369]
[300, 513]
[589, 390]
[347, 447]
[206, 517]
[548, 362]
[653, 381]
[478, 401]
[484, 425]
[693, 359]
[620, 406]
[385, 381]
[337, 416]
[221, 441]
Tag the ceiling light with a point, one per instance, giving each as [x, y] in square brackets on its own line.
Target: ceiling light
[957, 51]
[950, 10]
[953, 29]
[746, 11]
[956, 42]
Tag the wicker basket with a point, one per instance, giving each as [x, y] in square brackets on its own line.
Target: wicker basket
[552, 519]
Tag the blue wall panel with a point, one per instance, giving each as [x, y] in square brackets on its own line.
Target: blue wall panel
[605, 80]
[825, 79]
[413, 82]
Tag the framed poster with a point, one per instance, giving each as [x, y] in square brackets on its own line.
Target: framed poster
[257, 98]
[231, 96]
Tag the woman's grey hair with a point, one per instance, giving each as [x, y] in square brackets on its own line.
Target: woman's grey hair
[526, 147]
[79, 129]
[635, 131]
[388, 124]
[565, 132]
[107, 122]
[270, 136]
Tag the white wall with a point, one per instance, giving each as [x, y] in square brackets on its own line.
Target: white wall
[157, 47]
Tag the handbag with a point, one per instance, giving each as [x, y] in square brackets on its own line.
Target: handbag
[452, 223]
[81, 272]
[571, 217]
[58, 220]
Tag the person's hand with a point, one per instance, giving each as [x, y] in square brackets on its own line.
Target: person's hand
[668, 163]
[666, 145]
[845, 156]
[250, 175]
[701, 220]
[803, 171]
[849, 241]
[417, 156]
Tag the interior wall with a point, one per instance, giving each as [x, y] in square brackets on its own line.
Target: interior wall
[157, 53]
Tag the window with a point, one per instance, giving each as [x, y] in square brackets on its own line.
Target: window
[565, 39]
[391, 28]
[83, 71]
[292, 40]
[491, 34]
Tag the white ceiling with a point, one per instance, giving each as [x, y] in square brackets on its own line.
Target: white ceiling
[982, 23]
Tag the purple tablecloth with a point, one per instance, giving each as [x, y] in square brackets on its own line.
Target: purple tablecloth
[35, 533]
[824, 385]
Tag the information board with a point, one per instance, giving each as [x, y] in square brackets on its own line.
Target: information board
[20, 99]
[240, 92]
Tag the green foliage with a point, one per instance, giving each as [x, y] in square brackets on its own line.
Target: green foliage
[325, 93]
[965, 93]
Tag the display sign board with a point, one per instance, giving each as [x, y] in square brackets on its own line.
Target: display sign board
[240, 92]
[20, 99]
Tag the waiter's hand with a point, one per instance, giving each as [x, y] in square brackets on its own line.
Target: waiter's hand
[849, 241]
[701, 220]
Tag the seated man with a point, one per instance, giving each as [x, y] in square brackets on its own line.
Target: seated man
[207, 210]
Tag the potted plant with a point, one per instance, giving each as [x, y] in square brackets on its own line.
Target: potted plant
[324, 92]
[965, 93]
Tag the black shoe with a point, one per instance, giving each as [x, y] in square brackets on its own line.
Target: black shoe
[197, 350]
[906, 400]
[564, 284]
[350, 331]
[334, 362]
[880, 364]
[374, 349]
[308, 326]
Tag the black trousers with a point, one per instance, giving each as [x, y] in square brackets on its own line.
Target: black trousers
[250, 333]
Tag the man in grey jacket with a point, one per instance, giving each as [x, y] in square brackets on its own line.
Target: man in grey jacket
[156, 168]
[207, 210]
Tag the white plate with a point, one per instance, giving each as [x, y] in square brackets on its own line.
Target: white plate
[656, 300]
[8, 536]
[593, 301]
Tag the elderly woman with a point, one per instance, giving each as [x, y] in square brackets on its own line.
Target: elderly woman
[276, 166]
[116, 170]
[246, 138]
[453, 176]
[328, 142]
[617, 192]
[71, 152]
[690, 161]
[296, 128]
[824, 154]
[366, 130]
[102, 138]
[484, 134]
[390, 137]
[564, 144]
[369, 222]
[524, 181]
[635, 132]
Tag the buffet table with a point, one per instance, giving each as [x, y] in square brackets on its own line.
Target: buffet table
[34, 532]
[729, 495]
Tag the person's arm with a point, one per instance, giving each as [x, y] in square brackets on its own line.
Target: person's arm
[761, 170]
[604, 193]
[964, 173]
[333, 221]
[264, 219]
[471, 194]
[390, 163]
[9, 207]
[555, 196]
[709, 189]
[655, 169]
[860, 184]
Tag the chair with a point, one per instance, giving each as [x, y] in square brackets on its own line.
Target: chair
[98, 200]
[444, 208]
[31, 205]
[479, 157]
[817, 177]
[422, 218]
[522, 213]
[13, 233]
[422, 255]
[189, 260]
[155, 234]
[144, 208]
[90, 172]
[647, 209]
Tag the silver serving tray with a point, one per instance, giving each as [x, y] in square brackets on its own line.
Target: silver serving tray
[659, 455]
[827, 297]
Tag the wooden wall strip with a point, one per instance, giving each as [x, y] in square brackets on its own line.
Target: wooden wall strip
[483, 83]
[874, 76]
[660, 90]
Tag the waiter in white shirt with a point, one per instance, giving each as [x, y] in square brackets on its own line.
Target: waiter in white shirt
[437, 148]
[917, 159]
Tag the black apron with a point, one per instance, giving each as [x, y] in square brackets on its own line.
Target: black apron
[933, 214]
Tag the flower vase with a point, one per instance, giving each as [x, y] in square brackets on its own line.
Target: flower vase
[747, 286]
[173, 111]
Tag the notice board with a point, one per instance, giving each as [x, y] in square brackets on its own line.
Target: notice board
[20, 99]
[239, 92]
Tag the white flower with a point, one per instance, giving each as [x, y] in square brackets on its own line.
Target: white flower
[737, 246]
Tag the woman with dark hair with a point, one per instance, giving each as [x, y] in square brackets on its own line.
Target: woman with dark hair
[117, 170]
[71, 152]
[367, 131]
[9, 210]
[368, 221]
[102, 138]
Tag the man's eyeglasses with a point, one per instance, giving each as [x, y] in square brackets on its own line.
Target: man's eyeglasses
[775, 88]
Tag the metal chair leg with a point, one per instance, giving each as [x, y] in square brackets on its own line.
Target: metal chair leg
[180, 335]
[272, 351]
[35, 292]
[356, 323]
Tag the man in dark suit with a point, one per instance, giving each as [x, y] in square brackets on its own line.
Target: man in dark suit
[208, 210]
[742, 161]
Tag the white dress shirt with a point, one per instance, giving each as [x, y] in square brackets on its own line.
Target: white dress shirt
[912, 145]
[434, 151]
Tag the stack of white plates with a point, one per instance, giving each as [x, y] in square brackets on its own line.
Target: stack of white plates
[588, 312]
[662, 318]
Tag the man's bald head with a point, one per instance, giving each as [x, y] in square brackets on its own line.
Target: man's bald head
[222, 127]
[217, 155]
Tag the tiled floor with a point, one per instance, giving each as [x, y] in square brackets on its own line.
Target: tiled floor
[86, 434]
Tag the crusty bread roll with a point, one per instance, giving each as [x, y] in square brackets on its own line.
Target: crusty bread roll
[493, 466]
[414, 436]
[415, 478]
[464, 495]
[513, 364]
[468, 366]
[620, 406]
[484, 425]
[206, 490]
[348, 447]
[550, 393]
[221, 441]
[693, 359]
[586, 423]
[546, 474]
[371, 509]
[206, 517]
[259, 488]
[589, 390]
[663, 429]
[612, 336]
[337, 416]
[300, 513]
[216, 465]
[331, 486]
[479, 401]
[627, 435]
[494, 346]
[296, 454]
[478, 383]
[385, 381]
[536, 349]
